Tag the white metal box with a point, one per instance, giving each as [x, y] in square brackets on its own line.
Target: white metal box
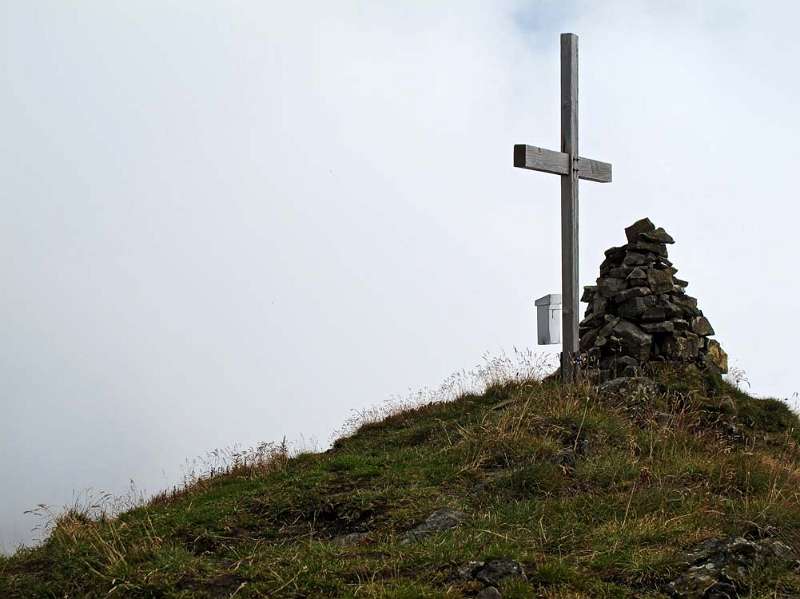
[548, 319]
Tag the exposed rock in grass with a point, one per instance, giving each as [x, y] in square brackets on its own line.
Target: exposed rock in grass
[495, 570]
[354, 538]
[628, 385]
[440, 520]
[492, 571]
[718, 568]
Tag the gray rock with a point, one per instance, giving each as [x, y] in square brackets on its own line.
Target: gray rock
[607, 264]
[620, 365]
[634, 308]
[630, 371]
[687, 304]
[636, 259]
[654, 314]
[598, 305]
[611, 322]
[489, 593]
[616, 361]
[659, 250]
[624, 361]
[635, 342]
[588, 293]
[615, 252]
[495, 570]
[660, 281]
[587, 339]
[657, 236]
[680, 324]
[620, 272]
[466, 571]
[630, 293]
[664, 263]
[640, 226]
[673, 310]
[609, 286]
[658, 327]
[628, 386]
[681, 348]
[440, 520]
[593, 321]
[701, 326]
[637, 275]
[695, 340]
[720, 568]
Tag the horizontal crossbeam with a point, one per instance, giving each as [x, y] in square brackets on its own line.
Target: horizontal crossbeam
[548, 161]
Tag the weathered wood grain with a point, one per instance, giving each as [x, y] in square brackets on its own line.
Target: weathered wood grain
[540, 159]
[594, 170]
[535, 158]
[569, 207]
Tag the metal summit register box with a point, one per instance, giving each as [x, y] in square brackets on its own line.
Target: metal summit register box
[548, 319]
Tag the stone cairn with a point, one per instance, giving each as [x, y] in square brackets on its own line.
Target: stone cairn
[639, 311]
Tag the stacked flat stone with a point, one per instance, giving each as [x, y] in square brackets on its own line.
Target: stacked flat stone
[639, 311]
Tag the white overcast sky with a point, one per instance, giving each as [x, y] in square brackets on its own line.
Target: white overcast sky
[224, 222]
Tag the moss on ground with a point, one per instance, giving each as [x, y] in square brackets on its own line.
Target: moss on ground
[596, 495]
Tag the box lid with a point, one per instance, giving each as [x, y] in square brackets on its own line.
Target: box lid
[550, 299]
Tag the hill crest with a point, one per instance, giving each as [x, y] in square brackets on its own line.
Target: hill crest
[650, 487]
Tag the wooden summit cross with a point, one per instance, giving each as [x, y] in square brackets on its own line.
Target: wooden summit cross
[571, 167]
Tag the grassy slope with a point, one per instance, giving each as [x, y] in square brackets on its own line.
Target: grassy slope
[654, 474]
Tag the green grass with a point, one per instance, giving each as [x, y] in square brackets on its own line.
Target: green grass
[596, 495]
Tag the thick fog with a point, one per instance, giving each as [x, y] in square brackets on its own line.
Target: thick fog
[226, 222]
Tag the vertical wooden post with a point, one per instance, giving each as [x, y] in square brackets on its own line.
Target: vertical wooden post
[569, 206]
